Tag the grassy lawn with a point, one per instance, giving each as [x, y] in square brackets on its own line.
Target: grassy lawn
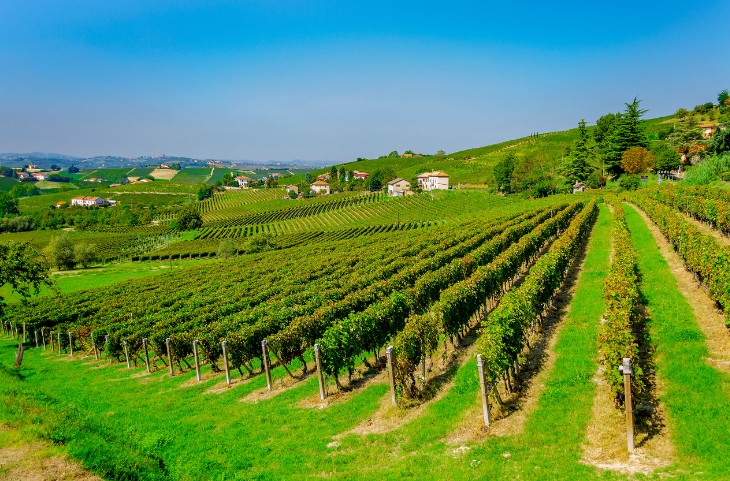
[79, 279]
[697, 395]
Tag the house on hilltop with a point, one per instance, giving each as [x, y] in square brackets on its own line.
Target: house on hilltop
[398, 187]
[708, 130]
[320, 187]
[436, 180]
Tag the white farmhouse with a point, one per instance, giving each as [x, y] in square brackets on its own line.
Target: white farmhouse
[398, 187]
[436, 180]
[320, 187]
[242, 181]
[87, 201]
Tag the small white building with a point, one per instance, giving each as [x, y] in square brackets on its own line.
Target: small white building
[436, 180]
[242, 181]
[87, 201]
[320, 187]
[398, 187]
[580, 187]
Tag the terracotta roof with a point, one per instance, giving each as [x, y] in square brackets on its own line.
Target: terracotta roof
[395, 181]
[320, 182]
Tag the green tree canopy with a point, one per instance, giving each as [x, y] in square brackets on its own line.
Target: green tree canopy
[578, 166]
[8, 204]
[686, 134]
[627, 133]
[61, 252]
[666, 158]
[23, 269]
[503, 173]
[188, 219]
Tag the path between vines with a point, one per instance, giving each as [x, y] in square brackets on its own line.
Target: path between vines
[709, 318]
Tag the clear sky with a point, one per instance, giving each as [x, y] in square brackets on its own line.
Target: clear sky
[332, 81]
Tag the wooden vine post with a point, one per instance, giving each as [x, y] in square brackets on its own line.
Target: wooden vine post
[43, 339]
[19, 356]
[93, 346]
[626, 371]
[25, 336]
[59, 341]
[265, 361]
[35, 332]
[169, 356]
[106, 343]
[146, 354]
[70, 344]
[197, 360]
[126, 353]
[484, 391]
[320, 376]
[391, 374]
[50, 337]
[225, 362]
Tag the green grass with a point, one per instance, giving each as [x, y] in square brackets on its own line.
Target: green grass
[7, 183]
[219, 173]
[110, 176]
[140, 171]
[80, 279]
[193, 175]
[697, 395]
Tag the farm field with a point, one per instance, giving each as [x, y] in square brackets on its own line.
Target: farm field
[439, 277]
[193, 175]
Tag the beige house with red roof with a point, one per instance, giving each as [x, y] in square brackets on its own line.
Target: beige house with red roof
[320, 187]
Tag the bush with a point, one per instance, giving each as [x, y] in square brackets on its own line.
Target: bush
[629, 182]
[85, 254]
[60, 252]
[188, 219]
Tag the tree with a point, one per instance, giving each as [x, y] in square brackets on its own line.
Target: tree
[227, 248]
[351, 175]
[686, 135]
[308, 177]
[188, 219]
[627, 133]
[578, 167]
[637, 160]
[22, 270]
[380, 178]
[503, 173]
[720, 141]
[72, 169]
[393, 154]
[8, 204]
[666, 158]
[342, 174]
[85, 254]
[604, 128]
[61, 252]
[292, 194]
[205, 191]
[629, 182]
[681, 113]
[333, 172]
[440, 153]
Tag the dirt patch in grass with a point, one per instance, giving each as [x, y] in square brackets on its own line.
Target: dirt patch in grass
[34, 462]
[362, 378]
[164, 174]
[605, 446]
[709, 318]
[278, 386]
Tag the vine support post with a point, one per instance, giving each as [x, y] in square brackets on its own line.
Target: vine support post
[93, 345]
[265, 361]
[423, 369]
[70, 344]
[197, 360]
[106, 343]
[146, 354]
[224, 344]
[50, 336]
[484, 391]
[43, 339]
[391, 374]
[59, 341]
[25, 334]
[169, 356]
[36, 337]
[626, 371]
[126, 353]
[320, 376]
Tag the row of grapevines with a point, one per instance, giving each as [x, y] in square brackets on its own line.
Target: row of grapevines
[706, 204]
[616, 339]
[372, 328]
[702, 254]
[460, 302]
[504, 334]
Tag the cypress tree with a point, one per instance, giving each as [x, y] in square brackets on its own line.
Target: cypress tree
[578, 166]
[627, 133]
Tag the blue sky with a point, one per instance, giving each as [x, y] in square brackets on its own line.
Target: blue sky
[282, 80]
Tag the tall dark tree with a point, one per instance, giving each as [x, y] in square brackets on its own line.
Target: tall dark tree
[578, 166]
[333, 172]
[720, 142]
[627, 133]
[604, 128]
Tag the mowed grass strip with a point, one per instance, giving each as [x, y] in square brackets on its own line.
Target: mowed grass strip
[697, 395]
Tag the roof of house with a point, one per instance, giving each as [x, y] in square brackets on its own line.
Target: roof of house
[395, 181]
[707, 125]
[242, 177]
[435, 173]
[87, 197]
[321, 183]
